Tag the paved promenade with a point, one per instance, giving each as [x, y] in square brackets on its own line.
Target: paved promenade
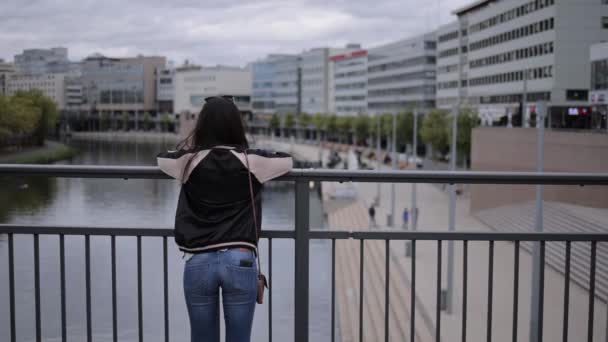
[433, 204]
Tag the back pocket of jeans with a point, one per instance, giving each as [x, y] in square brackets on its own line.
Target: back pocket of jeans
[196, 276]
[242, 279]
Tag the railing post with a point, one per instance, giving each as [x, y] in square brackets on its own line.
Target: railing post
[301, 268]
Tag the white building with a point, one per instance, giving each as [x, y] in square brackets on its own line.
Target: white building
[6, 70]
[401, 75]
[192, 84]
[317, 78]
[505, 48]
[349, 87]
[51, 85]
[599, 80]
[276, 82]
[450, 68]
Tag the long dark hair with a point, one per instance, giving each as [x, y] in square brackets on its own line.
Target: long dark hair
[219, 123]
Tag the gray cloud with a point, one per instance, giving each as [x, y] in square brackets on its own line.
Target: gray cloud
[211, 31]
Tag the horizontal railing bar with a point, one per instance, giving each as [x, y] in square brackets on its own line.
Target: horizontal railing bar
[320, 234]
[448, 177]
[476, 236]
[116, 231]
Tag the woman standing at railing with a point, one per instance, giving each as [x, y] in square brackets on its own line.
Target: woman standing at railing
[217, 222]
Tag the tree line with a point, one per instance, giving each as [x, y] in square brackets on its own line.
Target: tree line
[434, 128]
[26, 118]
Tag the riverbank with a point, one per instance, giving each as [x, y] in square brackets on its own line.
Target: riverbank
[127, 136]
[52, 151]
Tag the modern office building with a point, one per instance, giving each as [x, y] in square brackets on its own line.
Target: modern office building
[317, 78]
[165, 89]
[118, 85]
[193, 83]
[6, 70]
[296, 83]
[44, 61]
[401, 75]
[503, 49]
[276, 84]
[598, 98]
[451, 69]
[51, 85]
[349, 88]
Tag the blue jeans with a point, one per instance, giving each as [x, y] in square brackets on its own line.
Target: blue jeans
[235, 272]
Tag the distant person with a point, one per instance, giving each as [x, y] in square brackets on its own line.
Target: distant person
[405, 218]
[217, 223]
[372, 216]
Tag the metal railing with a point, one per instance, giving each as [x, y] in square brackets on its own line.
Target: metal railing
[302, 235]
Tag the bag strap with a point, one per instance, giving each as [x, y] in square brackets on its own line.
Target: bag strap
[255, 219]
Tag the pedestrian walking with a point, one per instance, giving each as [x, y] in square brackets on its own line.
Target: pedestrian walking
[372, 216]
[405, 218]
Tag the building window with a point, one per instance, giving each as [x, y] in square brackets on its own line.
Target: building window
[577, 95]
[605, 22]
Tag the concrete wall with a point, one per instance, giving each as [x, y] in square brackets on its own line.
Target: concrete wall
[502, 149]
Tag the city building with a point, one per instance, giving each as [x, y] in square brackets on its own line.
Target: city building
[165, 89]
[401, 75]
[193, 84]
[349, 88]
[450, 68]
[118, 85]
[276, 84]
[44, 61]
[599, 83]
[6, 70]
[317, 78]
[51, 85]
[501, 50]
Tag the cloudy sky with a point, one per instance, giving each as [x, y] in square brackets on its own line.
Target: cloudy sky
[211, 32]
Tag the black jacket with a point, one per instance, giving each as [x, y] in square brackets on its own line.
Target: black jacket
[214, 207]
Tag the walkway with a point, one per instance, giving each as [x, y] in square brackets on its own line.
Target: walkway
[433, 204]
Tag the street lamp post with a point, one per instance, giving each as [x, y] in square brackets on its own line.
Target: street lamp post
[541, 112]
[378, 160]
[452, 212]
[414, 209]
[391, 222]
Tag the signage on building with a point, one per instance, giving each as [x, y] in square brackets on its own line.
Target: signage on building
[579, 111]
[599, 97]
[358, 53]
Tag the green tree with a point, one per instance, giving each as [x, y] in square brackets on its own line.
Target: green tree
[319, 121]
[304, 120]
[290, 122]
[345, 124]
[331, 125]
[274, 123]
[165, 121]
[47, 109]
[147, 120]
[386, 125]
[362, 127]
[467, 120]
[18, 115]
[405, 127]
[125, 121]
[104, 121]
[434, 129]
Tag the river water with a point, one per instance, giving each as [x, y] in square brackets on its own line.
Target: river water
[139, 204]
